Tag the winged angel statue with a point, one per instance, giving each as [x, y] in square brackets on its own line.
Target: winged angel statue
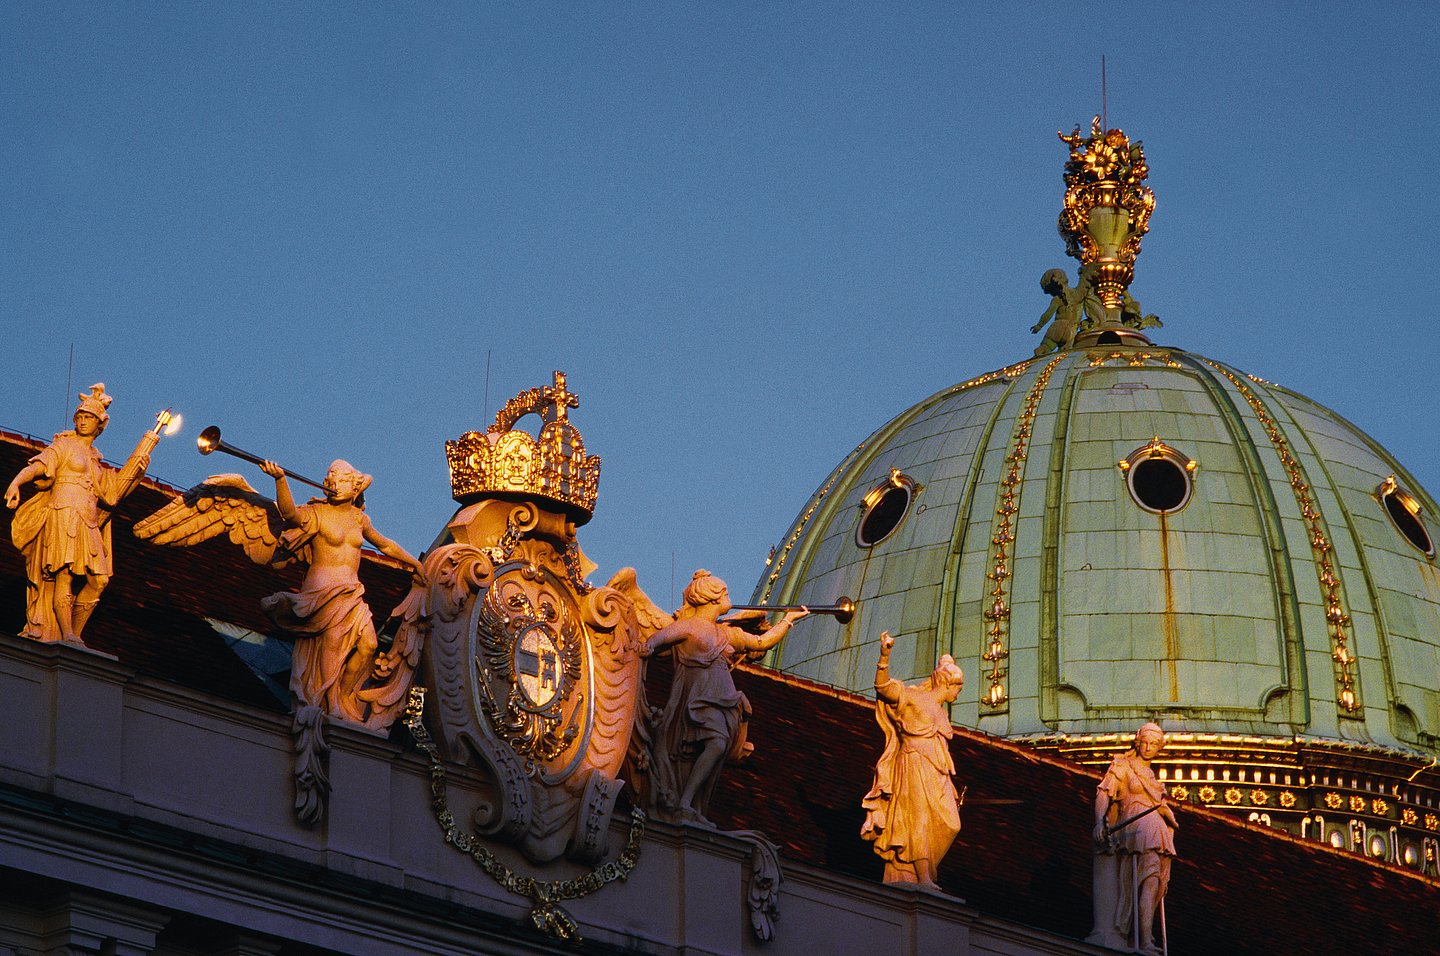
[338, 668]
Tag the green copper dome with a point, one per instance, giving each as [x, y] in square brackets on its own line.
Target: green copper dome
[1257, 565]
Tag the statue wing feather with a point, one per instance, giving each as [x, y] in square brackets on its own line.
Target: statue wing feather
[221, 504]
[649, 616]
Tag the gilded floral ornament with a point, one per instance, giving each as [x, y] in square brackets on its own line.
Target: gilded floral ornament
[1107, 208]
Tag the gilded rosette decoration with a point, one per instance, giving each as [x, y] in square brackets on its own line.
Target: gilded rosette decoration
[1107, 207]
[507, 462]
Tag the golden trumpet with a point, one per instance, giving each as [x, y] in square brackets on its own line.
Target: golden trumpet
[842, 610]
[209, 442]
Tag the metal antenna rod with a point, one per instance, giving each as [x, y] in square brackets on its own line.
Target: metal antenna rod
[1104, 106]
[69, 379]
[485, 403]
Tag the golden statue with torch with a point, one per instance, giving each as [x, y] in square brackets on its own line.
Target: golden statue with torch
[63, 530]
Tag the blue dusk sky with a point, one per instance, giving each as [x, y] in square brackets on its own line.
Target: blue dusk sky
[750, 233]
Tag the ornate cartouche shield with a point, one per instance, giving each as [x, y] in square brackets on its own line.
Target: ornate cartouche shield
[535, 674]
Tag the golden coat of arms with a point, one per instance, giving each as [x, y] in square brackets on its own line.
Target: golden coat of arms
[534, 673]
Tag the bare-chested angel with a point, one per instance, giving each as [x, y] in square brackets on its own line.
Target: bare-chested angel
[337, 666]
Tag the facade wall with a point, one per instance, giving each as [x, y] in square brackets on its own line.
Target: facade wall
[138, 817]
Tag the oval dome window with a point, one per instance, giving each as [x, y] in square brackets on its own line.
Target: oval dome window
[1159, 478]
[1404, 511]
[885, 507]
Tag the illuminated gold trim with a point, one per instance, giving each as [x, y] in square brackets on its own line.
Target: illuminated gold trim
[1287, 799]
[1259, 797]
[1339, 620]
[1134, 358]
[1002, 538]
[1207, 794]
[777, 557]
[776, 560]
[1009, 371]
[1178, 792]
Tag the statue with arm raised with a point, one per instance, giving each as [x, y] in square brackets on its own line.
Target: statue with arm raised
[337, 666]
[703, 723]
[912, 811]
[64, 529]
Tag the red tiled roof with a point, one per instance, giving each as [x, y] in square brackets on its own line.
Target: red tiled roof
[1023, 853]
[1024, 848]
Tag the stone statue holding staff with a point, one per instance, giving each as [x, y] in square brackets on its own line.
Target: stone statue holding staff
[1134, 844]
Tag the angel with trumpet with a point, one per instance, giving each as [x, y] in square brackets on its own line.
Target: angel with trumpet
[337, 666]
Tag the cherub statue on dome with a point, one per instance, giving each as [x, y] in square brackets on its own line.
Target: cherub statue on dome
[703, 723]
[1136, 318]
[1070, 309]
[337, 666]
[64, 529]
[912, 812]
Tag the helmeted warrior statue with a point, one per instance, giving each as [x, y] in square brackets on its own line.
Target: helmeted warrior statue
[1134, 844]
[64, 529]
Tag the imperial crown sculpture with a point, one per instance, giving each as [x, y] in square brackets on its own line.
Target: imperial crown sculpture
[506, 461]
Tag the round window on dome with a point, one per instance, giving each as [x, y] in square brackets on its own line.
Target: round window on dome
[886, 505]
[1160, 478]
[1404, 511]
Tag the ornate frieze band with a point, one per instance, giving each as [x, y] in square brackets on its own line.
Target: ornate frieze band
[1002, 541]
[1132, 358]
[1330, 589]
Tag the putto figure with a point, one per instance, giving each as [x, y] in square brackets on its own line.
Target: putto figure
[1134, 844]
[704, 721]
[64, 529]
[1070, 308]
[912, 813]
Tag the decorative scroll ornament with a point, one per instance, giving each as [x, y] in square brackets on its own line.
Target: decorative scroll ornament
[546, 913]
[535, 674]
[506, 461]
[1107, 208]
[1327, 567]
[1002, 543]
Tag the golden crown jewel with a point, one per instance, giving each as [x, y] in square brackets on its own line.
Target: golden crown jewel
[506, 461]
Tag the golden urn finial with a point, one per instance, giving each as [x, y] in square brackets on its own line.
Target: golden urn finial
[505, 461]
[1107, 207]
